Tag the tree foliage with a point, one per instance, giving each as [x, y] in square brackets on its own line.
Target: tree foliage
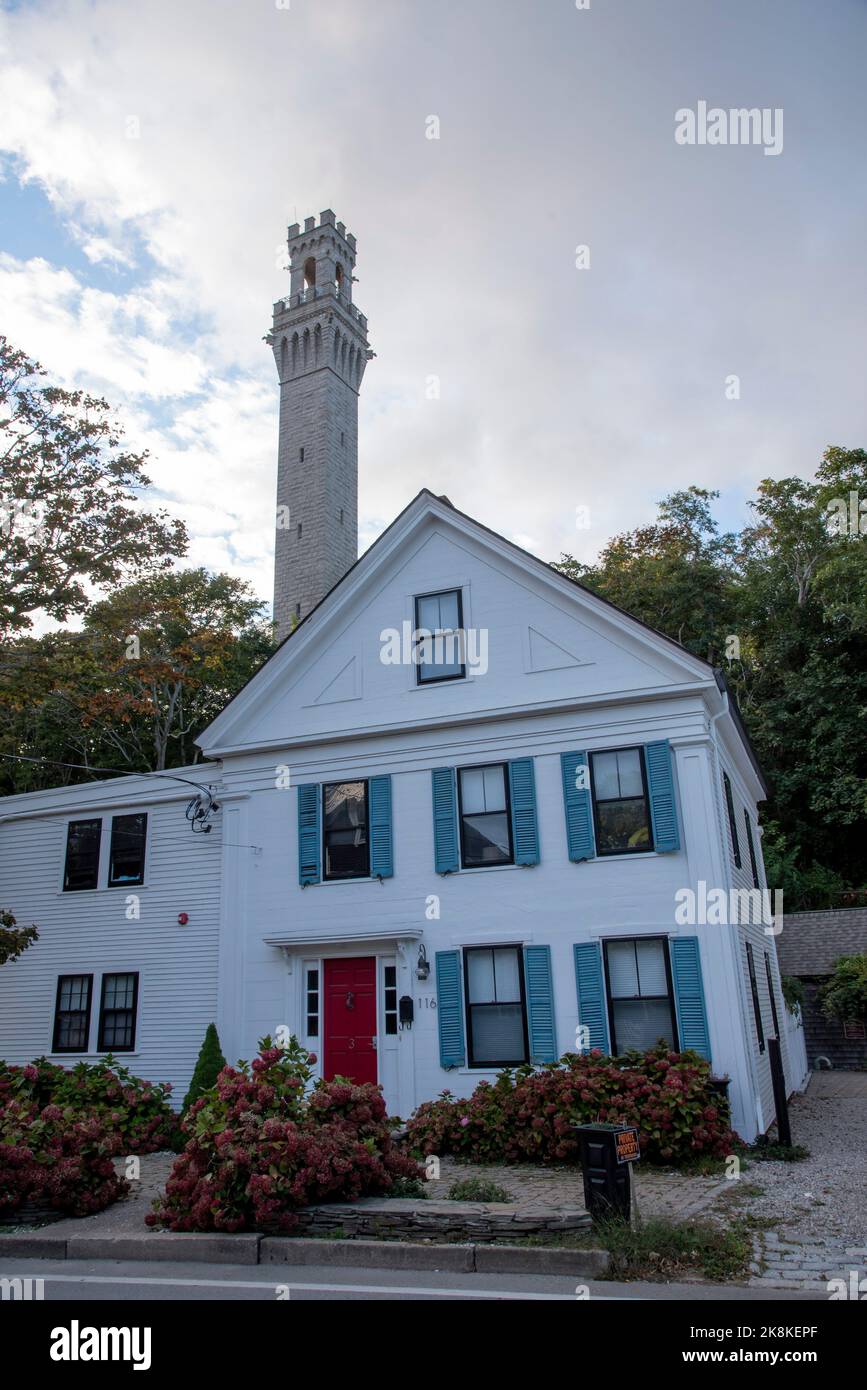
[71, 514]
[792, 589]
[14, 939]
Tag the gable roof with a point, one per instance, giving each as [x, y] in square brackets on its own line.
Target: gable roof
[427, 503]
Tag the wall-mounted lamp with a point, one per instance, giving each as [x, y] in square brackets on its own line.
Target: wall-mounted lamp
[423, 967]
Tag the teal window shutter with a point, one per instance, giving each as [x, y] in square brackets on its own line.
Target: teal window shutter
[579, 810]
[445, 817]
[689, 994]
[450, 1009]
[381, 837]
[522, 797]
[592, 1007]
[663, 806]
[309, 854]
[540, 1004]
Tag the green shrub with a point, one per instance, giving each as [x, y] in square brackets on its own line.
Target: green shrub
[845, 994]
[208, 1067]
[136, 1112]
[478, 1190]
[794, 993]
[58, 1158]
[529, 1115]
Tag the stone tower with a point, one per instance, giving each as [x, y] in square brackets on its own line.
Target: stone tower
[319, 340]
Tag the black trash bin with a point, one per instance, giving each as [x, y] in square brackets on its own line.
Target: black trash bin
[607, 1150]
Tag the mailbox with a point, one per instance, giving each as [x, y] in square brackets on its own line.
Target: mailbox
[606, 1153]
[406, 1010]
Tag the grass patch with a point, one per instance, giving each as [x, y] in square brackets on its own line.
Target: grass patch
[659, 1249]
[407, 1187]
[478, 1190]
[767, 1150]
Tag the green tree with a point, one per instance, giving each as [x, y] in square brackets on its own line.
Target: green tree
[71, 514]
[151, 667]
[208, 1067]
[14, 940]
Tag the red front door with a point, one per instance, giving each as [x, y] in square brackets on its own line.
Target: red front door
[350, 1019]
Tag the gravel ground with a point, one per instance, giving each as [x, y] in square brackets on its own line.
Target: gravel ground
[825, 1196]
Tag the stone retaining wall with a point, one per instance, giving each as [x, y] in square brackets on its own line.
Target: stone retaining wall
[406, 1219]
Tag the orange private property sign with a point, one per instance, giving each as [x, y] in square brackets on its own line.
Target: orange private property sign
[626, 1146]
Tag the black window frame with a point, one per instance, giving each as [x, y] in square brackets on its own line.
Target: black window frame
[133, 1009]
[55, 1042]
[112, 881]
[733, 824]
[771, 996]
[669, 980]
[83, 887]
[468, 1007]
[479, 767]
[345, 878]
[754, 863]
[754, 990]
[639, 849]
[419, 665]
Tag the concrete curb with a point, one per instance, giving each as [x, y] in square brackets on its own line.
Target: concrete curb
[290, 1250]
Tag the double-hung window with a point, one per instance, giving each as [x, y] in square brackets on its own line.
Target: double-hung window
[440, 642]
[117, 1011]
[754, 867]
[82, 855]
[621, 808]
[640, 997]
[72, 1013]
[345, 840]
[496, 1006]
[486, 830]
[127, 856]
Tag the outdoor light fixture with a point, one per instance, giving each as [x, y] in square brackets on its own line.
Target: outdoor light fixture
[423, 967]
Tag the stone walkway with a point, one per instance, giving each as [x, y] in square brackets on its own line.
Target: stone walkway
[819, 1206]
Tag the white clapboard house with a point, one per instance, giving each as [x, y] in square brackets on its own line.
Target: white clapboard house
[429, 859]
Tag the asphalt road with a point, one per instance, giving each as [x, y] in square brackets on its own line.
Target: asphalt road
[125, 1281]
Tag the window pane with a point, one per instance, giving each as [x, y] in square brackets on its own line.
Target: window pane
[652, 976]
[507, 976]
[605, 776]
[640, 1023]
[472, 790]
[345, 830]
[495, 788]
[623, 825]
[127, 849]
[629, 773]
[480, 976]
[486, 840]
[498, 1034]
[429, 613]
[82, 855]
[622, 972]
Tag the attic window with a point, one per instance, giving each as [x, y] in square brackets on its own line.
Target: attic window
[300, 528]
[440, 637]
[300, 455]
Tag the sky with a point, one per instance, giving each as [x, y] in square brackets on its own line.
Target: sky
[152, 156]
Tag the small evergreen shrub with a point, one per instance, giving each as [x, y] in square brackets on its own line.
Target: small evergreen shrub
[528, 1115]
[208, 1067]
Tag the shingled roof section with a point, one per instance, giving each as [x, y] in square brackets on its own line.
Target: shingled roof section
[811, 942]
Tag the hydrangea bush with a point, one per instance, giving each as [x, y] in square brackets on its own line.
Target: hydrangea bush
[135, 1112]
[262, 1144]
[527, 1115]
[56, 1158]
